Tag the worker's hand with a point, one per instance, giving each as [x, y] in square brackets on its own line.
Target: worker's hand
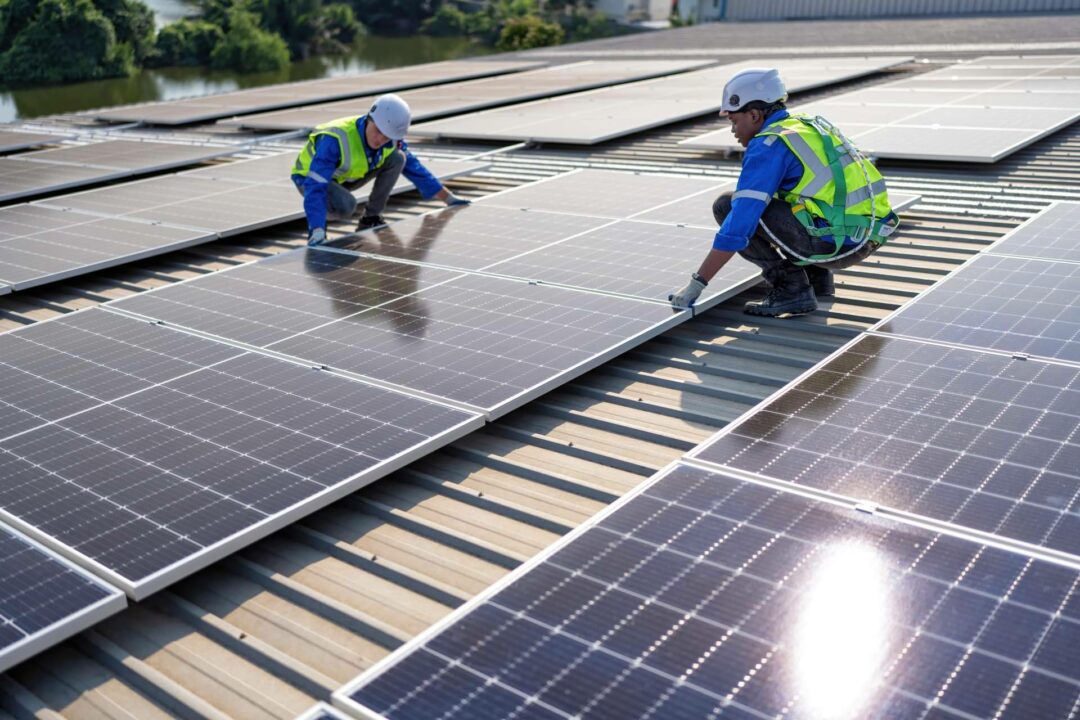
[453, 200]
[316, 237]
[688, 295]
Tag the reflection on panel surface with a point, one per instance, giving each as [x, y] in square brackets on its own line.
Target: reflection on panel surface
[982, 441]
[707, 596]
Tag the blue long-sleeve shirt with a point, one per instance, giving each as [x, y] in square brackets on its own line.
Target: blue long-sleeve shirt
[328, 158]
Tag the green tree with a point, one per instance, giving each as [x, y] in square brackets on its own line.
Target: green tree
[187, 42]
[133, 22]
[447, 21]
[247, 47]
[522, 33]
[394, 17]
[59, 41]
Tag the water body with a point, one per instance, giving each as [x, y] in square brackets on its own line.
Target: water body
[368, 54]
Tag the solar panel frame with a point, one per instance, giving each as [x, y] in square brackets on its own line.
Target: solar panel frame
[322, 711]
[1030, 238]
[55, 572]
[12, 140]
[904, 480]
[600, 115]
[559, 603]
[454, 98]
[997, 303]
[122, 464]
[214, 107]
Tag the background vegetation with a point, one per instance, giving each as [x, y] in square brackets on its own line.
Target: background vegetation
[46, 42]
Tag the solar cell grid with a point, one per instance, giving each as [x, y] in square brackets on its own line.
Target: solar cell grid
[21, 178]
[472, 237]
[21, 220]
[130, 155]
[16, 140]
[1053, 234]
[486, 341]
[277, 298]
[631, 258]
[1008, 304]
[978, 440]
[706, 596]
[43, 599]
[158, 482]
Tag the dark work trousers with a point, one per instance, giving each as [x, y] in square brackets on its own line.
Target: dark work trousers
[386, 176]
[781, 222]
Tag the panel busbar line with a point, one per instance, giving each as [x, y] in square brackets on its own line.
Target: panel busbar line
[702, 595]
[977, 111]
[1053, 234]
[449, 99]
[595, 116]
[1008, 304]
[160, 479]
[46, 171]
[213, 107]
[981, 441]
[45, 599]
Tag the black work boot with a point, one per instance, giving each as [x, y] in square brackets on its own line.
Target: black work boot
[789, 293]
[370, 221]
[821, 280]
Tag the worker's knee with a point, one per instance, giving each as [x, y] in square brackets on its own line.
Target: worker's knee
[395, 162]
[721, 207]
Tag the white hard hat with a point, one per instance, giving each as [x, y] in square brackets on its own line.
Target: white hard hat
[753, 84]
[392, 116]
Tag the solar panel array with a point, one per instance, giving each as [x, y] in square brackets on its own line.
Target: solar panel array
[19, 140]
[595, 116]
[44, 171]
[977, 111]
[448, 99]
[1050, 235]
[76, 234]
[44, 599]
[705, 595]
[212, 107]
[894, 534]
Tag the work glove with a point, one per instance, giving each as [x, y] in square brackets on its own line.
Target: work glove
[688, 295]
[317, 237]
[453, 200]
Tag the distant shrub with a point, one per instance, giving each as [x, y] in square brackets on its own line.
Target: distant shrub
[248, 48]
[187, 42]
[523, 33]
[448, 21]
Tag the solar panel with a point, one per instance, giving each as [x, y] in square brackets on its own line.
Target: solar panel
[604, 193]
[279, 297]
[472, 237]
[978, 440]
[127, 198]
[598, 115]
[970, 112]
[705, 596]
[489, 342]
[54, 255]
[322, 711]
[273, 168]
[638, 259]
[153, 485]
[1051, 235]
[432, 102]
[1013, 305]
[67, 167]
[21, 220]
[199, 109]
[16, 140]
[44, 599]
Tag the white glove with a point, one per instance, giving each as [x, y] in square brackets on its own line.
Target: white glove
[317, 237]
[688, 295]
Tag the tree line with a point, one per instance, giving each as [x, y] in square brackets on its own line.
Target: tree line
[46, 42]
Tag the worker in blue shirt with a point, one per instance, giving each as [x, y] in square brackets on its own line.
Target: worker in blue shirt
[787, 215]
[349, 152]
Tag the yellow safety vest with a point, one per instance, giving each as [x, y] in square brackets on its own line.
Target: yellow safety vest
[354, 162]
[838, 185]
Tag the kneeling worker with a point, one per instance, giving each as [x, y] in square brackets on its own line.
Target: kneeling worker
[349, 152]
[807, 201]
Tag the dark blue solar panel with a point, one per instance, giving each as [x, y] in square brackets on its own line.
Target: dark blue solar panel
[706, 596]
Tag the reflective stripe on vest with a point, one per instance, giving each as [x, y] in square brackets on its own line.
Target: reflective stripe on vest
[354, 163]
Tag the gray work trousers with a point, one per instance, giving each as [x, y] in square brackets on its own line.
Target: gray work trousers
[340, 201]
[781, 222]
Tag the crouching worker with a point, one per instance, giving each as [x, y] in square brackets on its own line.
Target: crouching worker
[807, 201]
[349, 152]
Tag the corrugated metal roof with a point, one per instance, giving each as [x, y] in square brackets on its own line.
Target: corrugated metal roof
[281, 624]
